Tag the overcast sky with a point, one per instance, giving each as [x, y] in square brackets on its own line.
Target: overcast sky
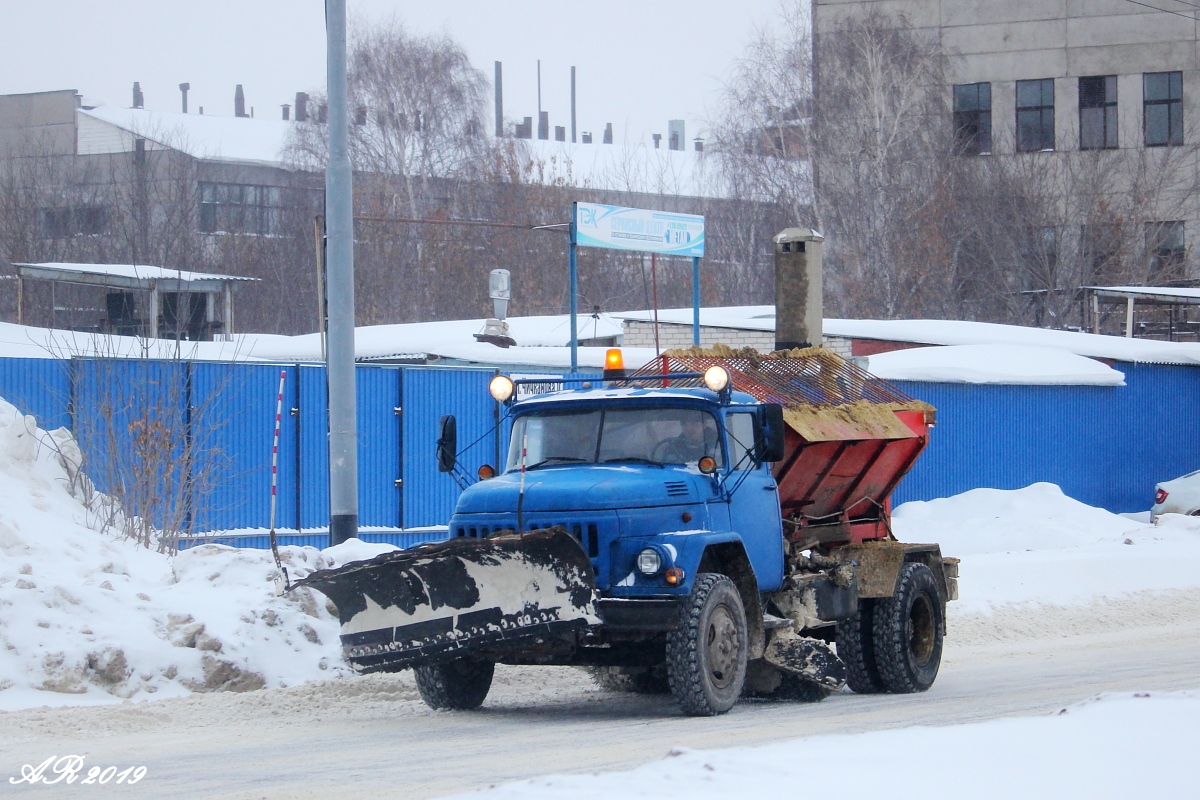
[639, 62]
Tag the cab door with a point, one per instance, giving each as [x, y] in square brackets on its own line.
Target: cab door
[754, 502]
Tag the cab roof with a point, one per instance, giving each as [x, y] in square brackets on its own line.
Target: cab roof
[634, 393]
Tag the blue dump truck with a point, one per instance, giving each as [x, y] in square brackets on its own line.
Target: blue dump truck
[714, 525]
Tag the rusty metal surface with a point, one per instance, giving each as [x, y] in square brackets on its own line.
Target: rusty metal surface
[809, 377]
[877, 564]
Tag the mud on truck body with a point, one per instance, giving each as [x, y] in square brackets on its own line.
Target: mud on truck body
[715, 524]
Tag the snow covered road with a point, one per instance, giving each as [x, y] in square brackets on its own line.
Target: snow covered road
[372, 736]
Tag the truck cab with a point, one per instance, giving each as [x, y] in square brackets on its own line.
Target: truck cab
[646, 479]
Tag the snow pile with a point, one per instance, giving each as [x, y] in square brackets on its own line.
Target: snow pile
[993, 363]
[1112, 746]
[86, 617]
[1036, 545]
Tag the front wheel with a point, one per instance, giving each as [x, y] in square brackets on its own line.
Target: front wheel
[706, 653]
[460, 684]
[908, 632]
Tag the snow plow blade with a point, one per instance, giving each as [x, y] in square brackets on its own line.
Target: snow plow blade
[438, 601]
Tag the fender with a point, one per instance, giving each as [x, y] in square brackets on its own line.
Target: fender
[695, 552]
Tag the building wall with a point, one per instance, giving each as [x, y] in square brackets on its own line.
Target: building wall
[641, 334]
[1004, 42]
[671, 335]
[43, 120]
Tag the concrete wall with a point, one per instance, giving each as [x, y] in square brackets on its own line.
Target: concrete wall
[41, 121]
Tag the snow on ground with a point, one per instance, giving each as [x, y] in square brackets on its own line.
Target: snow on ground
[993, 363]
[1111, 746]
[87, 617]
[1036, 545]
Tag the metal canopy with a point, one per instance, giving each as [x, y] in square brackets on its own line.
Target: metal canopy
[129, 276]
[157, 281]
[1171, 297]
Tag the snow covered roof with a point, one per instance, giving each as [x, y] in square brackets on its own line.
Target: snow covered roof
[755, 318]
[631, 167]
[627, 168]
[1175, 294]
[211, 138]
[132, 276]
[943, 332]
[541, 341]
[993, 363]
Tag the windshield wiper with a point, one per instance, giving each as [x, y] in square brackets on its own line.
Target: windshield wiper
[556, 460]
[633, 460]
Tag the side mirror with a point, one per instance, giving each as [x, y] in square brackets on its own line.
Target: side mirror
[447, 443]
[768, 434]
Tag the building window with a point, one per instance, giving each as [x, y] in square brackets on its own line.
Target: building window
[1162, 108]
[1035, 115]
[1098, 112]
[61, 223]
[1101, 252]
[973, 118]
[1166, 250]
[239, 208]
[1039, 259]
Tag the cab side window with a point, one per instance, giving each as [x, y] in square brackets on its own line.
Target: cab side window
[739, 428]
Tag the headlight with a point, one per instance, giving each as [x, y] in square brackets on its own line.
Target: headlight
[649, 562]
[716, 378]
[501, 388]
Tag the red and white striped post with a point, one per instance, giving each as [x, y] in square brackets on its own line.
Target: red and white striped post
[275, 479]
[275, 446]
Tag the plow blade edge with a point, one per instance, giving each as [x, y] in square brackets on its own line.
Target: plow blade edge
[438, 601]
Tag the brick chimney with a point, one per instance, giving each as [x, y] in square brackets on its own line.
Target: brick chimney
[798, 299]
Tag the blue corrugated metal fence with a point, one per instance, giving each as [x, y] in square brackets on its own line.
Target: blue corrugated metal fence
[1106, 446]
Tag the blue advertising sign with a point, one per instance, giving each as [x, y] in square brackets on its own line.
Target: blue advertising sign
[641, 229]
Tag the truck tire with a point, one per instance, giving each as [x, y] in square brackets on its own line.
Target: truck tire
[460, 684]
[706, 653]
[856, 649]
[908, 632]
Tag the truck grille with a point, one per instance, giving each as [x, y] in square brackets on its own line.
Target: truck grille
[676, 488]
[585, 533]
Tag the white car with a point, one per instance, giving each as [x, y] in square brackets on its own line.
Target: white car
[1180, 496]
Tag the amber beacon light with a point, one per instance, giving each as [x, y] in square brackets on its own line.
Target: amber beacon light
[614, 365]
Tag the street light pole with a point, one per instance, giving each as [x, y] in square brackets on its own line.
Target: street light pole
[339, 221]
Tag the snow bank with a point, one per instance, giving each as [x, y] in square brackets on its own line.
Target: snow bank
[1112, 746]
[1036, 545]
[86, 617]
[993, 363]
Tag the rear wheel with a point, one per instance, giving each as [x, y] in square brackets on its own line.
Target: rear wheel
[856, 649]
[706, 653]
[908, 629]
[459, 684]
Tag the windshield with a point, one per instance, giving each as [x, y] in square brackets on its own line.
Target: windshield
[635, 435]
